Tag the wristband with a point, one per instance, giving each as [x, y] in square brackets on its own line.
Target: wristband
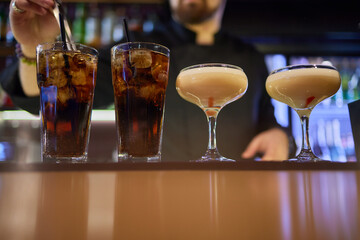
[22, 57]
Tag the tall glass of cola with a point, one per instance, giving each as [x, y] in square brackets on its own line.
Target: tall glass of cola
[66, 75]
[140, 75]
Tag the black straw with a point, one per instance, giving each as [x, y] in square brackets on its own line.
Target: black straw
[126, 30]
[62, 23]
[62, 30]
[63, 38]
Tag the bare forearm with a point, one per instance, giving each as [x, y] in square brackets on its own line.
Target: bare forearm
[32, 22]
[27, 73]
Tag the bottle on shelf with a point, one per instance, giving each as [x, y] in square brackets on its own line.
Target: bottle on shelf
[118, 31]
[107, 26]
[93, 26]
[338, 147]
[78, 23]
[321, 140]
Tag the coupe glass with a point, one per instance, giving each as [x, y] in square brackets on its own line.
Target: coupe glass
[302, 87]
[211, 86]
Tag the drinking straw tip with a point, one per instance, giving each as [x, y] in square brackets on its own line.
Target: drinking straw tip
[127, 36]
[61, 22]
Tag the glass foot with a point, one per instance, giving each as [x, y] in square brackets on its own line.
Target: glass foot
[213, 156]
[306, 156]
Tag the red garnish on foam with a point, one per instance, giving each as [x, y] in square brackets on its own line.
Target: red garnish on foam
[309, 100]
[210, 102]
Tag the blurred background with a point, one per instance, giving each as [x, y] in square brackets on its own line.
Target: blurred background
[287, 32]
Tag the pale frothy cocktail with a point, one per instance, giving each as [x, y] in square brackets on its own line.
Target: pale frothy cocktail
[211, 86]
[302, 87]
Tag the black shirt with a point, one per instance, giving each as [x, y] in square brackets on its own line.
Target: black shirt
[185, 135]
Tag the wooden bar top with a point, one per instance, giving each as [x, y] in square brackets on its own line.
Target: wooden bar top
[249, 200]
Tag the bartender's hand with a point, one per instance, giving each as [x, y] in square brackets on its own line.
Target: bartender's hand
[273, 144]
[33, 23]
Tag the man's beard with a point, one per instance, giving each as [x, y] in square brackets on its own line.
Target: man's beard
[193, 13]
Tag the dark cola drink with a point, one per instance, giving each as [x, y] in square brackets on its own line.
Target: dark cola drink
[66, 80]
[140, 77]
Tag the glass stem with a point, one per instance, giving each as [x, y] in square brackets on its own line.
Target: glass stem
[212, 132]
[305, 132]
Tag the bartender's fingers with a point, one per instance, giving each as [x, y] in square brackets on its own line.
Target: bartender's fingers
[273, 144]
[275, 153]
[29, 26]
[252, 148]
[43, 3]
[26, 7]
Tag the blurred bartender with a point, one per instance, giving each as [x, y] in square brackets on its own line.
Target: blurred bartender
[245, 128]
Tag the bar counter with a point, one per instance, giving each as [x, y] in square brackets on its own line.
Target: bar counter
[179, 200]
